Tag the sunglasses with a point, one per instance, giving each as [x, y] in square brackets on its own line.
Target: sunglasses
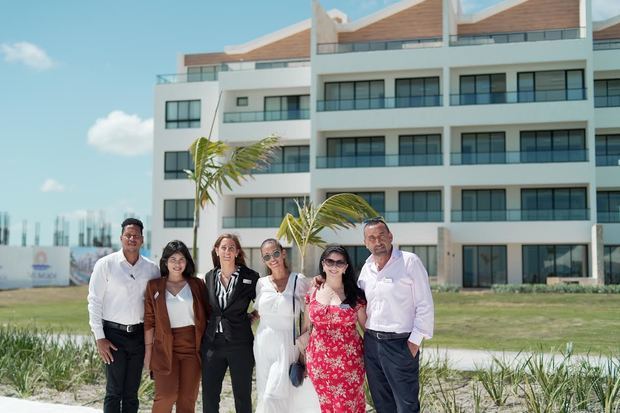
[334, 263]
[274, 255]
[374, 220]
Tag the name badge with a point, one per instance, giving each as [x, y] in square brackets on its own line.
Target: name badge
[387, 280]
[345, 306]
[156, 295]
[246, 281]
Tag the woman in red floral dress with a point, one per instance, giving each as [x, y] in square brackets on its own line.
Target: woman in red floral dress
[335, 356]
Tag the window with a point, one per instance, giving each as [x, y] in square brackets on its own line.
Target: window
[289, 159]
[607, 150]
[368, 94]
[262, 212]
[358, 254]
[183, 114]
[542, 261]
[554, 204]
[552, 85]
[608, 206]
[606, 93]
[175, 164]
[374, 199]
[483, 89]
[178, 213]
[417, 92]
[483, 205]
[426, 253]
[611, 258]
[242, 101]
[553, 146]
[419, 206]
[204, 73]
[419, 150]
[484, 265]
[287, 107]
[483, 148]
[355, 152]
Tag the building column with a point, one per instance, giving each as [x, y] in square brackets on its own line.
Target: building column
[597, 252]
[445, 256]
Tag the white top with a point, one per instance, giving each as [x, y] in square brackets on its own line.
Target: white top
[276, 308]
[116, 291]
[399, 296]
[181, 307]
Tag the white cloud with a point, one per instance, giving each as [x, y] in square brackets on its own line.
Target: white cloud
[28, 54]
[52, 185]
[604, 9]
[122, 134]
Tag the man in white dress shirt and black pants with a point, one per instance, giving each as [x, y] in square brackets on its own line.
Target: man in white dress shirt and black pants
[116, 316]
[400, 315]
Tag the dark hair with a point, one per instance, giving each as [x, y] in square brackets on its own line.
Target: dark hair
[278, 246]
[239, 259]
[352, 292]
[132, 221]
[169, 250]
[376, 221]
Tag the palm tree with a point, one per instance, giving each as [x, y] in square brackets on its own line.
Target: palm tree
[339, 211]
[218, 165]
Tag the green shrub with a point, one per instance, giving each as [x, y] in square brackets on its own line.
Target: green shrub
[556, 288]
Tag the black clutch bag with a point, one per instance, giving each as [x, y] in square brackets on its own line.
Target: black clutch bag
[296, 373]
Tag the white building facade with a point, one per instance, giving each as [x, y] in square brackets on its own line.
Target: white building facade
[489, 142]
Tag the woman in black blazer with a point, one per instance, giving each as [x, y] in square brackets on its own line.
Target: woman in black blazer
[228, 339]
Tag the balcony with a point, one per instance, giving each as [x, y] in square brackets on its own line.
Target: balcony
[521, 215]
[518, 157]
[283, 168]
[379, 103]
[607, 44]
[606, 101]
[608, 217]
[608, 160]
[266, 116]
[557, 95]
[413, 216]
[376, 161]
[373, 46]
[517, 37]
[251, 222]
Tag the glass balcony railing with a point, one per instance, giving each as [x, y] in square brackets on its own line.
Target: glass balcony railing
[608, 160]
[606, 101]
[520, 215]
[378, 45]
[482, 158]
[608, 217]
[413, 216]
[607, 44]
[251, 222]
[462, 99]
[517, 37]
[283, 168]
[369, 161]
[379, 103]
[266, 116]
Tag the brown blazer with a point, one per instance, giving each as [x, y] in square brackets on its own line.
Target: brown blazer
[156, 316]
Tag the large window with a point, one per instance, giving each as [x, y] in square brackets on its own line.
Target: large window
[606, 93]
[287, 107]
[375, 199]
[183, 114]
[417, 92]
[289, 159]
[419, 150]
[607, 150]
[419, 206]
[261, 212]
[427, 254]
[484, 265]
[355, 152]
[367, 94]
[483, 148]
[612, 264]
[608, 206]
[542, 261]
[358, 254]
[553, 145]
[175, 164]
[483, 205]
[554, 204]
[551, 85]
[204, 73]
[178, 213]
[483, 89]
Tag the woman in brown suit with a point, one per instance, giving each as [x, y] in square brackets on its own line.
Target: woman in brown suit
[175, 318]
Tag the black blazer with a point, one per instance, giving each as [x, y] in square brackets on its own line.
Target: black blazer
[235, 318]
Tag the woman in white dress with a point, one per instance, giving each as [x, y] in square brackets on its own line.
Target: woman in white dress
[274, 344]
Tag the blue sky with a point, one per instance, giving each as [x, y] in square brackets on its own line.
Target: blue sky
[76, 82]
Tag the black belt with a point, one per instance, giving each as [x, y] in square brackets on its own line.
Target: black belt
[126, 328]
[380, 335]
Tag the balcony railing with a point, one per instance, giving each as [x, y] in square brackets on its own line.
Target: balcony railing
[283, 168]
[516, 37]
[607, 44]
[462, 99]
[482, 158]
[375, 45]
[369, 161]
[521, 215]
[413, 216]
[251, 222]
[608, 217]
[379, 103]
[608, 160]
[606, 101]
[266, 116]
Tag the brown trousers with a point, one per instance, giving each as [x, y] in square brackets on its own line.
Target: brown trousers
[181, 385]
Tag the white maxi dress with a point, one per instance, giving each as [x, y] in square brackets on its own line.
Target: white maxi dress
[275, 350]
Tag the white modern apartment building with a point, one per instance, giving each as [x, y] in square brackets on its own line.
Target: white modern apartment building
[489, 142]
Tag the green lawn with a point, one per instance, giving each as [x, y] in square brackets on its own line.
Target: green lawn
[476, 320]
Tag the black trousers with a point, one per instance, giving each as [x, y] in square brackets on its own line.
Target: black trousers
[124, 374]
[392, 375]
[217, 357]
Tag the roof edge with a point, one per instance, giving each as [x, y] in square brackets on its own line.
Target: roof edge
[378, 15]
[605, 24]
[488, 12]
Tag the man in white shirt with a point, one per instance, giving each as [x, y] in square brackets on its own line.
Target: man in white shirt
[400, 315]
[116, 316]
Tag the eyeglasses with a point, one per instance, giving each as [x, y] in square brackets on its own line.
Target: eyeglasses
[132, 236]
[274, 255]
[374, 220]
[334, 263]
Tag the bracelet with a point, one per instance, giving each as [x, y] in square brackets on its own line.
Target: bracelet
[148, 344]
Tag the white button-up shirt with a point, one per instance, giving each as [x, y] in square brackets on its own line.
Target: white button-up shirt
[399, 296]
[116, 291]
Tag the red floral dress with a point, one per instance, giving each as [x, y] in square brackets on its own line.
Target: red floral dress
[335, 357]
